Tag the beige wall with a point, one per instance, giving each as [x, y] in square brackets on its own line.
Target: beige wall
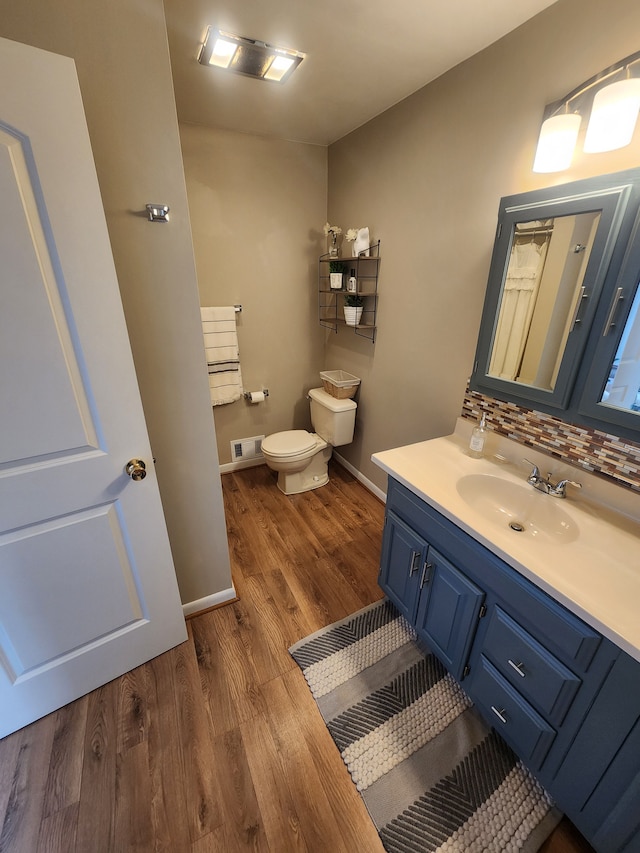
[123, 65]
[257, 210]
[427, 177]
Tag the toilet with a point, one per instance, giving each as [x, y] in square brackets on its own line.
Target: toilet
[300, 457]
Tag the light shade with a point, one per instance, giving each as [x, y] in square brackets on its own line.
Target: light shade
[613, 116]
[556, 143]
[249, 57]
[278, 68]
[222, 52]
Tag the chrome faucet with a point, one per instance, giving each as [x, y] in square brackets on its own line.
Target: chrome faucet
[556, 490]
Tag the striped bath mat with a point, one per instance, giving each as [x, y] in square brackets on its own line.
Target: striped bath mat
[433, 776]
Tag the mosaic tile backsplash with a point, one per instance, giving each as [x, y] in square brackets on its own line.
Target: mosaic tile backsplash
[605, 454]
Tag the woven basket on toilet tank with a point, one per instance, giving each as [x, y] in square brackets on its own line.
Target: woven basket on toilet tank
[339, 383]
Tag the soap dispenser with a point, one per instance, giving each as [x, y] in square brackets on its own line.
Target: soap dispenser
[478, 438]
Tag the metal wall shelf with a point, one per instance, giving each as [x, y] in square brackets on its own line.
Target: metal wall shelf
[331, 300]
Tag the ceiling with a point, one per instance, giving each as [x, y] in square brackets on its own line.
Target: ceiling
[348, 75]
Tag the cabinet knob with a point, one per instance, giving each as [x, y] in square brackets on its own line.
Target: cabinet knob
[519, 668]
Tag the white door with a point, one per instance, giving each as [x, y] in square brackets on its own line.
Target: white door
[87, 585]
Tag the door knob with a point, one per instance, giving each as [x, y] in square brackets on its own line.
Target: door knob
[136, 469]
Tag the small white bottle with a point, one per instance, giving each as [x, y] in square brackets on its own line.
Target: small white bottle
[352, 284]
[478, 437]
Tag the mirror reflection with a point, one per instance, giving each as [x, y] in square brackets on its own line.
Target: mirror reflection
[622, 390]
[541, 297]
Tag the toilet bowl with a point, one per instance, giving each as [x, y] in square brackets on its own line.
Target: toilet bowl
[301, 458]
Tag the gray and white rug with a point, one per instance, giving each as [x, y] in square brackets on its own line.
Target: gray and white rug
[433, 776]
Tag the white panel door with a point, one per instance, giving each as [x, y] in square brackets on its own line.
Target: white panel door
[87, 585]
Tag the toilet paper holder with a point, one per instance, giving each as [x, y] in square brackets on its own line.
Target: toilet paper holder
[247, 394]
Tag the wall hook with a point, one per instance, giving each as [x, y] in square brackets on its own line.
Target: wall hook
[158, 212]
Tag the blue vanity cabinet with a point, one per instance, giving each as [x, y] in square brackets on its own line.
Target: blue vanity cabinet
[565, 698]
[433, 595]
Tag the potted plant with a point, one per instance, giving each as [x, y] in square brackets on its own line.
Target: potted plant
[336, 274]
[353, 305]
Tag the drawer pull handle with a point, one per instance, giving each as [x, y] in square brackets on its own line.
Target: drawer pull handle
[415, 562]
[518, 668]
[611, 319]
[426, 574]
[499, 714]
[575, 320]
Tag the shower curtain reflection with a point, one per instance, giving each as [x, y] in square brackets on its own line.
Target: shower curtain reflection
[518, 299]
[540, 297]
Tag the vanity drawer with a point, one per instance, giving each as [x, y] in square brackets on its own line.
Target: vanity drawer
[510, 714]
[411, 509]
[529, 667]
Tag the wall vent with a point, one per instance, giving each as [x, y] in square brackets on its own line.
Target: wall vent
[246, 448]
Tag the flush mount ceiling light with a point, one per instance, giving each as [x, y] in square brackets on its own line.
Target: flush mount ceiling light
[248, 56]
[612, 98]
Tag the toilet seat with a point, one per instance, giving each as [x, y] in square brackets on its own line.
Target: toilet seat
[291, 442]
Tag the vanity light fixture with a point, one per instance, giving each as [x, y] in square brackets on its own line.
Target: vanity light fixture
[613, 99]
[613, 116]
[249, 57]
[557, 141]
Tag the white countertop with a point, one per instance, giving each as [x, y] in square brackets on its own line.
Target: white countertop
[595, 572]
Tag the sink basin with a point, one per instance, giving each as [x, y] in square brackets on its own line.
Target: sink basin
[516, 507]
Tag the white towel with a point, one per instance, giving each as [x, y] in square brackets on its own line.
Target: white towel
[223, 356]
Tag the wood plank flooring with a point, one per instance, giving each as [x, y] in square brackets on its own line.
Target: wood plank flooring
[216, 746]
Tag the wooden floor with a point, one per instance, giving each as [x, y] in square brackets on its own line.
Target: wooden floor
[217, 746]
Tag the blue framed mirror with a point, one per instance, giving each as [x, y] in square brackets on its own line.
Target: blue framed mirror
[554, 275]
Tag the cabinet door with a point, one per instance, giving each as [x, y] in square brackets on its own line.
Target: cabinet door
[448, 611]
[598, 783]
[403, 556]
[612, 389]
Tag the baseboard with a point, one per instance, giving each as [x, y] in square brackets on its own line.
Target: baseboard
[252, 463]
[360, 477]
[243, 463]
[225, 596]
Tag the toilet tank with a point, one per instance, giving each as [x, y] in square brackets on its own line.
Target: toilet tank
[332, 419]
